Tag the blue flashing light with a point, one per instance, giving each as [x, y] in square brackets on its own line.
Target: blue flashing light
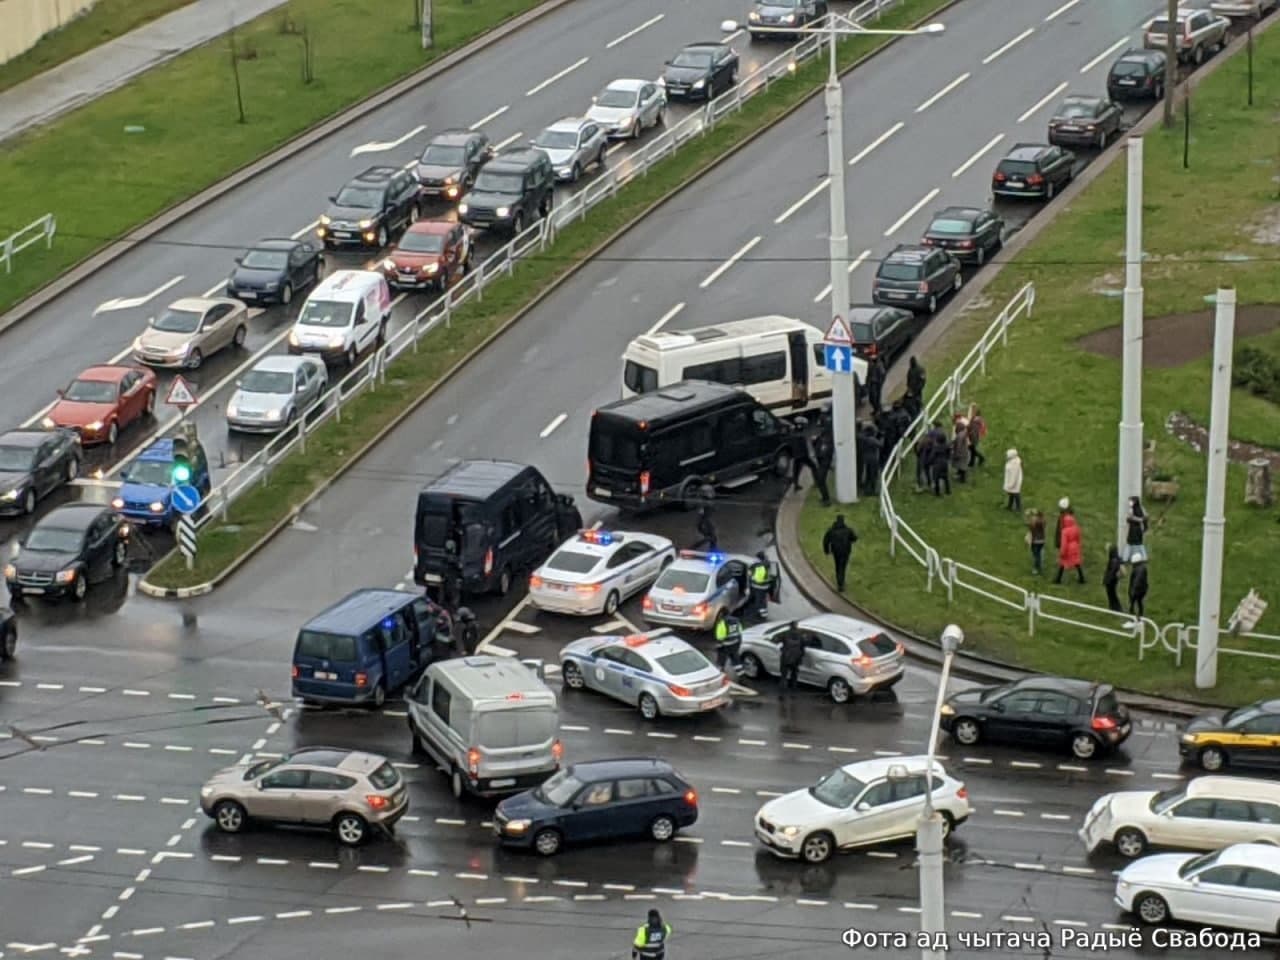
[389, 623]
[601, 538]
[716, 558]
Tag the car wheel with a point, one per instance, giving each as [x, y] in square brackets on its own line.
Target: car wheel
[151, 404]
[933, 303]
[517, 223]
[817, 848]
[1084, 746]
[382, 237]
[958, 282]
[782, 463]
[1157, 92]
[414, 214]
[1050, 190]
[981, 256]
[648, 706]
[600, 155]
[242, 332]
[504, 582]
[72, 471]
[286, 295]
[288, 421]
[752, 668]
[318, 273]
[113, 433]
[352, 356]
[1130, 842]
[662, 118]
[457, 786]
[948, 824]
[662, 829]
[611, 603]
[966, 732]
[571, 675]
[547, 842]
[1102, 140]
[29, 502]
[1197, 56]
[350, 829]
[119, 554]
[839, 690]
[1151, 909]
[415, 742]
[544, 207]
[194, 359]
[79, 586]
[1213, 759]
[229, 816]
[9, 646]
[379, 696]
[575, 174]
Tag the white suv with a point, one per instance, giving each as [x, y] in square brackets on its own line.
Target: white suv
[865, 803]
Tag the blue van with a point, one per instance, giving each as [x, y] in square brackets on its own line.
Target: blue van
[145, 497]
[366, 646]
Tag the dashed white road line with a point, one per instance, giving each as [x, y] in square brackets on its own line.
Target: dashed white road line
[556, 76]
[786, 214]
[553, 426]
[1008, 46]
[902, 220]
[719, 271]
[1061, 10]
[1122, 42]
[978, 155]
[489, 117]
[943, 92]
[509, 140]
[825, 292]
[665, 318]
[311, 226]
[1042, 102]
[862, 154]
[631, 33]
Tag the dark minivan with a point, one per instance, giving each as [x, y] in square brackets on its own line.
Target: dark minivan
[365, 646]
[495, 518]
[663, 447]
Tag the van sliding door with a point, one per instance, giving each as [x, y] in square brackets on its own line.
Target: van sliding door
[799, 350]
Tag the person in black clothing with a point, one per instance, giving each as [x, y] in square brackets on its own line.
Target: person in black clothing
[837, 543]
[468, 632]
[706, 530]
[1136, 522]
[1138, 585]
[870, 456]
[915, 380]
[912, 405]
[823, 454]
[808, 456]
[1111, 577]
[793, 647]
[939, 464]
[451, 580]
[875, 383]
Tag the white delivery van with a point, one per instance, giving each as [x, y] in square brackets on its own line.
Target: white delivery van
[344, 316]
[778, 360]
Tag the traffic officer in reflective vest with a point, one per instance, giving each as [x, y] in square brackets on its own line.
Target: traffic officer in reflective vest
[651, 938]
[761, 585]
[728, 635]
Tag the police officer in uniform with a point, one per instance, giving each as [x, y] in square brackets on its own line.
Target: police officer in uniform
[761, 586]
[651, 938]
[728, 635]
[468, 632]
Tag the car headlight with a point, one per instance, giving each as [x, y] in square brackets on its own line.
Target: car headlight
[293, 337]
[503, 211]
[388, 264]
[789, 18]
[93, 427]
[517, 826]
[336, 341]
[180, 351]
[463, 208]
[753, 17]
[67, 575]
[662, 81]
[700, 84]
[137, 343]
[48, 423]
[366, 224]
[233, 410]
[273, 414]
[324, 220]
[450, 181]
[10, 571]
[12, 494]
[431, 267]
[272, 286]
[947, 710]
[789, 832]
[117, 503]
[157, 507]
[1123, 884]
[1188, 738]
[206, 791]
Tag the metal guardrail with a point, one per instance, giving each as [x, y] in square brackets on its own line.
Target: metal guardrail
[951, 574]
[368, 374]
[28, 236]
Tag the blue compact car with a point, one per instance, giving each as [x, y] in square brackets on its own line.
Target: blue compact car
[146, 496]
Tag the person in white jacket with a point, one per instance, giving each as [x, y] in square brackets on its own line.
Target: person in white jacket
[1013, 479]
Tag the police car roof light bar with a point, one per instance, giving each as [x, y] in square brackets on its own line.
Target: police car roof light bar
[602, 538]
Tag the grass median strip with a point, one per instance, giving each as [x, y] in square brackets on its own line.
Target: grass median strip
[412, 375]
[1054, 394]
[127, 156]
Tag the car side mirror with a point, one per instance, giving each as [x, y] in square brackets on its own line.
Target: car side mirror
[333, 198]
[60, 392]
[863, 807]
[533, 142]
[1195, 881]
[261, 785]
[998, 707]
[666, 63]
[595, 99]
[239, 384]
[239, 259]
[299, 388]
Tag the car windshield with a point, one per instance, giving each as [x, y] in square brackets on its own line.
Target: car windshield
[1073, 110]
[262, 766]
[362, 198]
[618, 98]
[17, 459]
[837, 789]
[265, 260]
[326, 313]
[1196, 864]
[90, 391]
[441, 155]
[326, 646]
[1128, 68]
[946, 225]
[683, 663]
[572, 561]
[899, 271]
[54, 540]
[422, 242]
[557, 139]
[559, 790]
[689, 59]
[385, 777]
[267, 381]
[1161, 27]
[489, 182]
[150, 472]
[178, 321]
[1165, 799]
[683, 581]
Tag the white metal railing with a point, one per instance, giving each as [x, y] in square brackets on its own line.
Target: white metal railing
[952, 575]
[28, 236]
[372, 371]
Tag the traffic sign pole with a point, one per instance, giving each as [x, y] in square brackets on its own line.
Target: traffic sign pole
[187, 543]
[844, 394]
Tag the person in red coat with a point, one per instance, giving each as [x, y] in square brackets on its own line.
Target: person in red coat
[1069, 547]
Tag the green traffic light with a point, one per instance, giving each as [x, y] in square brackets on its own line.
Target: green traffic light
[181, 473]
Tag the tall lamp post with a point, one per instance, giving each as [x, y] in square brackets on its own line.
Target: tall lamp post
[844, 394]
[930, 833]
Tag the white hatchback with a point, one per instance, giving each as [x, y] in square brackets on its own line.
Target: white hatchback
[1238, 886]
[864, 803]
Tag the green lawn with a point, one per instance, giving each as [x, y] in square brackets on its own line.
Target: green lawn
[1059, 405]
[413, 374]
[101, 180]
[106, 20]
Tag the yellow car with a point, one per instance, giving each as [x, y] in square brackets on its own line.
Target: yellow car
[1247, 736]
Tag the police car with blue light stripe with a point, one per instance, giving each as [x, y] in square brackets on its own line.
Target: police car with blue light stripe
[698, 589]
[656, 672]
[596, 570]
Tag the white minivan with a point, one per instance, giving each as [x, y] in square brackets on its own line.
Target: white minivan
[344, 316]
[780, 361]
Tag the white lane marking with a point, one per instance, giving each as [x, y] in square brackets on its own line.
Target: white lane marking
[1025, 765]
[861, 906]
[733, 36]
[786, 215]
[901, 221]
[719, 271]
[556, 76]
[1055, 816]
[1029, 866]
[698, 738]
[981, 152]
[1042, 102]
[1012, 43]
[382, 146]
[631, 33]
[1167, 776]
[293, 914]
[1073, 768]
[1061, 10]
[307, 229]
[942, 93]
[1015, 918]
[26, 871]
[1118, 773]
[1071, 923]
[1122, 42]
[553, 426]
[614, 731]
[198, 925]
[966, 915]
[490, 116]
[128, 303]
[861, 154]
[510, 140]
[662, 321]
[1083, 871]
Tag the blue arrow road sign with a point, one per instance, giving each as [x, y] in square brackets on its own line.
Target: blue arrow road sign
[839, 358]
[186, 499]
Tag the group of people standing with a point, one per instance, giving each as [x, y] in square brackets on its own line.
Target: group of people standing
[938, 454]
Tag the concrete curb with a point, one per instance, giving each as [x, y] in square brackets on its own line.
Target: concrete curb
[201, 589]
[302, 141]
[787, 521]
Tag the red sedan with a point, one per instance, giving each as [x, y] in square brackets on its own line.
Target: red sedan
[102, 401]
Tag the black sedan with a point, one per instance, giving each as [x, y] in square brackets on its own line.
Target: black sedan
[448, 167]
[970, 234]
[700, 71]
[1040, 711]
[8, 634]
[34, 463]
[67, 549]
[883, 332]
[1082, 121]
[274, 270]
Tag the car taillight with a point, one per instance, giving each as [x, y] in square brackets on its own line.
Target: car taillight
[587, 588]
[928, 241]
[473, 760]
[1000, 177]
[700, 610]
[644, 482]
[924, 286]
[1035, 178]
[294, 672]
[1091, 126]
[863, 661]
[901, 649]
[488, 561]
[362, 679]
[966, 244]
[963, 793]
[557, 751]
[1103, 723]
[376, 801]
[691, 797]
[535, 582]
[724, 680]
[647, 603]
[871, 350]
[680, 691]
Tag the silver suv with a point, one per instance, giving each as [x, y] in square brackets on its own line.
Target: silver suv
[843, 655]
[347, 791]
[572, 145]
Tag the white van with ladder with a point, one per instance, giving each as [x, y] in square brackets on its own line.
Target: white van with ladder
[780, 361]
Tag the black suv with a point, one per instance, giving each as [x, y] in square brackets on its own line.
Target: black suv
[513, 189]
[776, 16]
[370, 208]
[700, 71]
[970, 234]
[1137, 75]
[916, 277]
[1035, 170]
[448, 167]
[883, 332]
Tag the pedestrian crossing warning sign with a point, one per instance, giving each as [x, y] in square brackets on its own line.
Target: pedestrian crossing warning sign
[838, 332]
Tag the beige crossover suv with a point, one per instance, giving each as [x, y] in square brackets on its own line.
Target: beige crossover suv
[347, 791]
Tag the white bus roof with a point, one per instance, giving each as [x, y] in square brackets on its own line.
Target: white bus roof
[733, 330]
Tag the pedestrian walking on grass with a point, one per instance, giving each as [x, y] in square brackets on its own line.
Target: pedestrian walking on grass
[977, 432]
[916, 380]
[1069, 549]
[870, 453]
[1111, 578]
[1013, 480]
[1136, 522]
[940, 464]
[1138, 584]
[1064, 505]
[960, 449]
[1035, 540]
[837, 544]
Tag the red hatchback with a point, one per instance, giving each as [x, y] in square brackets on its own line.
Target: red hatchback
[102, 401]
[430, 254]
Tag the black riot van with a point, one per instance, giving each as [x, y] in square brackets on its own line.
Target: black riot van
[497, 518]
[663, 447]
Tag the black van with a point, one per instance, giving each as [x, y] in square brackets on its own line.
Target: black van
[662, 447]
[498, 518]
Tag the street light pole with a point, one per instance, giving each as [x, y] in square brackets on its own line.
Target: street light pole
[930, 831]
[1129, 459]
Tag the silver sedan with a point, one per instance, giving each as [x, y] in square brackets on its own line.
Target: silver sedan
[626, 108]
[277, 391]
